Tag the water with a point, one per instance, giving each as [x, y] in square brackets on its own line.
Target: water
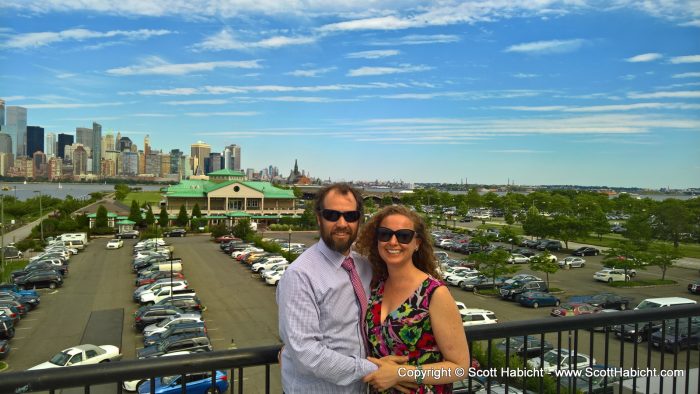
[77, 190]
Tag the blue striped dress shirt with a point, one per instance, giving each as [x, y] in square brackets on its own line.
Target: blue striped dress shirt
[319, 324]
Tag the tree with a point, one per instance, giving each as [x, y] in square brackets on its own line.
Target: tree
[639, 230]
[135, 213]
[163, 217]
[663, 256]
[150, 218]
[493, 264]
[598, 223]
[535, 224]
[196, 215]
[120, 191]
[182, 218]
[370, 206]
[624, 256]
[243, 230]
[386, 201]
[672, 220]
[473, 198]
[568, 228]
[508, 234]
[101, 217]
[308, 218]
[544, 263]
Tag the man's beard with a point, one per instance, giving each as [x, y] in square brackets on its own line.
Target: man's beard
[339, 246]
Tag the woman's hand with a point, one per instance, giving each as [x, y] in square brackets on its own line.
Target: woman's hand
[387, 375]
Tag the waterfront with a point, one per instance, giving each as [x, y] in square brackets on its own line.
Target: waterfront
[24, 191]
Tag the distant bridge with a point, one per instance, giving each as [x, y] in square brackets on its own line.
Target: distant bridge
[309, 193]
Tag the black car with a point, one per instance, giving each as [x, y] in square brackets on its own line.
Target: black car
[644, 331]
[525, 252]
[610, 301]
[7, 326]
[694, 287]
[175, 329]
[152, 314]
[586, 251]
[517, 345]
[188, 303]
[30, 302]
[480, 282]
[176, 232]
[43, 266]
[49, 278]
[128, 234]
[193, 342]
[686, 338]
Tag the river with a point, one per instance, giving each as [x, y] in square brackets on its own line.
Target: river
[78, 190]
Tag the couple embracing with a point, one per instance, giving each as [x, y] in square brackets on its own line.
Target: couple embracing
[370, 316]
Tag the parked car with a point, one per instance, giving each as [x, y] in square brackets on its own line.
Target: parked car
[14, 288]
[176, 232]
[147, 315]
[187, 303]
[536, 299]
[7, 326]
[164, 324]
[475, 317]
[674, 341]
[133, 234]
[226, 238]
[586, 251]
[37, 279]
[81, 355]
[518, 287]
[458, 277]
[517, 346]
[613, 275]
[550, 245]
[193, 341]
[481, 282]
[525, 252]
[175, 329]
[572, 262]
[11, 252]
[610, 301]
[643, 331]
[694, 287]
[574, 309]
[115, 243]
[517, 258]
[195, 383]
[561, 359]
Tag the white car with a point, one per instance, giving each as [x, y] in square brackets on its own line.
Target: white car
[516, 258]
[81, 355]
[613, 275]
[477, 317]
[115, 243]
[573, 262]
[275, 277]
[460, 276]
[164, 324]
[561, 359]
[522, 277]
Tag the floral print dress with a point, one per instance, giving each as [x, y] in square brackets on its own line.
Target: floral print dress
[407, 330]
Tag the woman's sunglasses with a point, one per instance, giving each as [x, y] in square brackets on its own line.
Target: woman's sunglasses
[333, 215]
[404, 235]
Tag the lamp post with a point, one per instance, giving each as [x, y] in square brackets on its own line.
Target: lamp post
[2, 233]
[41, 216]
[289, 244]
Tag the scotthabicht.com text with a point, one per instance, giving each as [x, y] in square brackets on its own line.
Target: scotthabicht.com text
[622, 373]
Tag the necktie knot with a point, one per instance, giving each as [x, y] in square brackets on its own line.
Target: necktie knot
[348, 264]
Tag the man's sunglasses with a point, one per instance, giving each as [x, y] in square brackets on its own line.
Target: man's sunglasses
[333, 215]
[404, 236]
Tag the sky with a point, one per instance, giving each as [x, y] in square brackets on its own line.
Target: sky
[533, 92]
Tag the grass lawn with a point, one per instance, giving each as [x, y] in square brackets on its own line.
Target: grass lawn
[153, 198]
[637, 283]
[11, 265]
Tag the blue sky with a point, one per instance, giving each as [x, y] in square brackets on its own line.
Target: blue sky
[538, 92]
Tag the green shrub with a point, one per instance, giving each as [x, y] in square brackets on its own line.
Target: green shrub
[26, 244]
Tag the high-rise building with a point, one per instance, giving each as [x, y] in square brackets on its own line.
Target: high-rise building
[96, 148]
[130, 163]
[199, 152]
[63, 141]
[55, 168]
[80, 159]
[107, 143]
[16, 127]
[232, 162]
[175, 160]
[50, 146]
[5, 143]
[40, 167]
[164, 165]
[83, 135]
[215, 162]
[124, 143]
[35, 140]
[152, 163]
[147, 145]
[2, 113]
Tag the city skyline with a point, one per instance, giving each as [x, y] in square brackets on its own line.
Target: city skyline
[548, 92]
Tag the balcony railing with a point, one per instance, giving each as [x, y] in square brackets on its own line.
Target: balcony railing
[570, 333]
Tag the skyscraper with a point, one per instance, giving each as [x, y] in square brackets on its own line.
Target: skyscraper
[83, 135]
[35, 140]
[124, 144]
[107, 143]
[5, 143]
[50, 144]
[147, 145]
[175, 160]
[2, 113]
[199, 151]
[236, 152]
[63, 140]
[96, 148]
[16, 127]
[215, 160]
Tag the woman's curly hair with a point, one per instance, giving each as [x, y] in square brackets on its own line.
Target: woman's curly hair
[423, 258]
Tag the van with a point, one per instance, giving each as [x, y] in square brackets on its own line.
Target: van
[74, 236]
[663, 302]
[167, 267]
[74, 243]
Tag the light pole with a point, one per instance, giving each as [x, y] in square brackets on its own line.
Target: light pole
[289, 244]
[41, 216]
[2, 233]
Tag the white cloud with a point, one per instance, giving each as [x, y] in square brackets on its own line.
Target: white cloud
[547, 47]
[372, 54]
[525, 75]
[225, 40]
[378, 23]
[39, 39]
[693, 23]
[10, 99]
[373, 71]
[69, 105]
[687, 75]
[157, 66]
[202, 114]
[310, 72]
[685, 59]
[605, 108]
[418, 39]
[676, 94]
[527, 151]
[215, 90]
[197, 102]
[305, 99]
[645, 57]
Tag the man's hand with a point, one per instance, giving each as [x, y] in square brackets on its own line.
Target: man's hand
[387, 375]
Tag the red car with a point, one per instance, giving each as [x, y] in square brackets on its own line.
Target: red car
[226, 238]
[574, 309]
[151, 279]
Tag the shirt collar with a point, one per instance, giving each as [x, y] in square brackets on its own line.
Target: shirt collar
[333, 257]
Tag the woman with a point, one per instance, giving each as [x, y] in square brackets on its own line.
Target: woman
[411, 312]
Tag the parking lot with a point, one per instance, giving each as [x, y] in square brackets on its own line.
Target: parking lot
[241, 309]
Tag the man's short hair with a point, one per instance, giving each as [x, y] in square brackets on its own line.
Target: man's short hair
[341, 188]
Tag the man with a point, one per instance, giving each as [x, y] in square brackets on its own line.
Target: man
[319, 309]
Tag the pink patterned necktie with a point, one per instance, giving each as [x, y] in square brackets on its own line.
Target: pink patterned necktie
[349, 266]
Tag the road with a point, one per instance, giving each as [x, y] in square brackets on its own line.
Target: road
[241, 308]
